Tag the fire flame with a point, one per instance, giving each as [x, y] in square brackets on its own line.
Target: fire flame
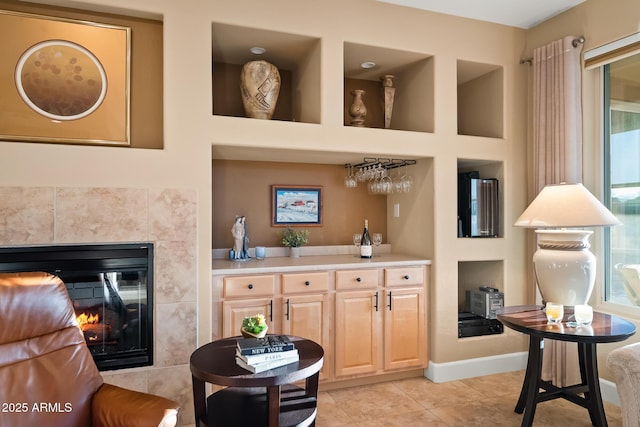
[84, 319]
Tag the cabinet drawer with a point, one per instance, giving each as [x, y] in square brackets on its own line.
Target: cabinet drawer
[403, 276]
[356, 279]
[248, 286]
[305, 282]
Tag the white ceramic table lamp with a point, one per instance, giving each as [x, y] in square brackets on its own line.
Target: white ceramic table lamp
[563, 265]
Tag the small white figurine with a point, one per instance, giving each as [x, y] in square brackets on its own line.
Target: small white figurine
[238, 233]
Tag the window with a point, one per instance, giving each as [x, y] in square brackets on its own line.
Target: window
[622, 178]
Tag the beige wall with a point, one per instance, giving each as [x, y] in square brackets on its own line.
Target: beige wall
[427, 226]
[600, 22]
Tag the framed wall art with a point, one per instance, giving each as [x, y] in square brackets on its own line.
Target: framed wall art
[295, 205]
[63, 80]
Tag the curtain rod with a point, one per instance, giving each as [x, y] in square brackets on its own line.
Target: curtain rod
[575, 42]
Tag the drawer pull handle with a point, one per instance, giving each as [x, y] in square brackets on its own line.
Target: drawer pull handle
[250, 286]
[307, 283]
[358, 279]
[405, 277]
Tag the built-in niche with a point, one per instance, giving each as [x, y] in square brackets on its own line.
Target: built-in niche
[480, 99]
[146, 83]
[473, 274]
[487, 170]
[243, 187]
[413, 72]
[297, 58]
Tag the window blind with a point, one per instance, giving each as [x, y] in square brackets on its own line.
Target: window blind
[613, 51]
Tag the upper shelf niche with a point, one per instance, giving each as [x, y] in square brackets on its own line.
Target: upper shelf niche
[296, 57]
[413, 72]
[480, 99]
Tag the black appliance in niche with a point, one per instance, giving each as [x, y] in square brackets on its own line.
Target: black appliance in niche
[111, 286]
[478, 212]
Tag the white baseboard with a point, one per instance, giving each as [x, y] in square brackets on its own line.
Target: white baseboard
[470, 368]
[481, 366]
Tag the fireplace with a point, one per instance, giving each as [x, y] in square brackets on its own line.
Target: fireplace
[111, 286]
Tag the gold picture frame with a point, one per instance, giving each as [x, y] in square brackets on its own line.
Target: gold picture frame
[64, 80]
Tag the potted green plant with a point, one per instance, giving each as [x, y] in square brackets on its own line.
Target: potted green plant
[254, 326]
[294, 239]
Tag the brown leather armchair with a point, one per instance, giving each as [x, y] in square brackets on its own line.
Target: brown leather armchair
[47, 375]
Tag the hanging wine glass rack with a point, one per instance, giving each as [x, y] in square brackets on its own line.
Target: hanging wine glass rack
[368, 162]
[374, 170]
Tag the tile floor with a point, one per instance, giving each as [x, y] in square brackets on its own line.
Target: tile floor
[482, 401]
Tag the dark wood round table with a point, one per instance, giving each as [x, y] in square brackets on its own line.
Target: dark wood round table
[264, 399]
[531, 320]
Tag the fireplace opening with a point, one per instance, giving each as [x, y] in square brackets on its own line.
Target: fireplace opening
[111, 287]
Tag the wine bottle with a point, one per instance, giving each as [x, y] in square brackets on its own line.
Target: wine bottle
[365, 243]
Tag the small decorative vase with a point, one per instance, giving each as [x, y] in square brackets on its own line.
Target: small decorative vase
[248, 334]
[294, 251]
[259, 87]
[358, 110]
[388, 96]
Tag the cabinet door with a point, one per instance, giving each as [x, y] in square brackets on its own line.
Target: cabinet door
[405, 328]
[307, 316]
[233, 312]
[358, 336]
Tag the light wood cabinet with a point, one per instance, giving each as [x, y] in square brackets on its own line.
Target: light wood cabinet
[247, 296]
[358, 334]
[382, 329]
[369, 321]
[248, 286]
[306, 311]
[405, 314]
[405, 328]
[235, 311]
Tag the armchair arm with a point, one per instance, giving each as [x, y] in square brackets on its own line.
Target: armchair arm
[114, 406]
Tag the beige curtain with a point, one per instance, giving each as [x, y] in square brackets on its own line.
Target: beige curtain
[557, 157]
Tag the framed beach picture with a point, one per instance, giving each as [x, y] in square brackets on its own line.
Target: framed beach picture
[295, 205]
[63, 80]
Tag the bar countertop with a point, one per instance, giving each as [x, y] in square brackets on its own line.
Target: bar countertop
[313, 262]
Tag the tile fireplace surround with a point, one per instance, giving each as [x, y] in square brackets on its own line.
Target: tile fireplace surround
[167, 217]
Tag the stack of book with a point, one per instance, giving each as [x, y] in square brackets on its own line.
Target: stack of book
[261, 354]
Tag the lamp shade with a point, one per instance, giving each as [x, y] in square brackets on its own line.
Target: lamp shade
[566, 205]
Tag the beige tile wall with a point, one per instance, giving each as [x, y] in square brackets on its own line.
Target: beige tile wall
[166, 217]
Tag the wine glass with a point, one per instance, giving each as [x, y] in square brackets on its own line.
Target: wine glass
[377, 239]
[350, 180]
[406, 180]
[357, 239]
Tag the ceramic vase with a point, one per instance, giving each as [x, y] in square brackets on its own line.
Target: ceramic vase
[358, 110]
[259, 87]
[388, 96]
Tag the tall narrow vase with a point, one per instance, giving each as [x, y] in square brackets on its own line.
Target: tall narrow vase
[388, 97]
[259, 87]
[358, 110]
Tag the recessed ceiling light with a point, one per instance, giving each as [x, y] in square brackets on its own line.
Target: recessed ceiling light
[257, 50]
[368, 64]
